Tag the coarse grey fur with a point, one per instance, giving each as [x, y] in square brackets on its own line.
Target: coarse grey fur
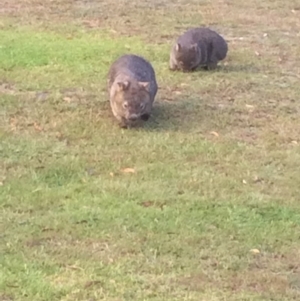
[197, 47]
[132, 89]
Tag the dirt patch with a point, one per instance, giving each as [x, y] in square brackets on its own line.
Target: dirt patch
[272, 274]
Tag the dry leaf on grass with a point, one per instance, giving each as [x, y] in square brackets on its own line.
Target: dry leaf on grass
[37, 127]
[214, 133]
[147, 203]
[254, 251]
[74, 267]
[46, 229]
[177, 92]
[91, 23]
[67, 99]
[91, 283]
[128, 170]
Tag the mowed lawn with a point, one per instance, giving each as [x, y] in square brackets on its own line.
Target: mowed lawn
[200, 203]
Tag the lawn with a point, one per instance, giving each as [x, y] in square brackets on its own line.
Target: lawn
[200, 203]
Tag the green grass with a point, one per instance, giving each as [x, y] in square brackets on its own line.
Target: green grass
[173, 210]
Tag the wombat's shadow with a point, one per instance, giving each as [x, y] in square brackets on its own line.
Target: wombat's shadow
[250, 68]
[179, 115]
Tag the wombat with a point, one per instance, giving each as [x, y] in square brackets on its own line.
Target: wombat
[198, 47]
[132, 89]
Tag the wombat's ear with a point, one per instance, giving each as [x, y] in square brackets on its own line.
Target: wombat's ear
[177, 47]
[194, 46]
[145, 85]
[122, 86]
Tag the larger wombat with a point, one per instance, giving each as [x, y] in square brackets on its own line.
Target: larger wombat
[132, 88]
[198, 47]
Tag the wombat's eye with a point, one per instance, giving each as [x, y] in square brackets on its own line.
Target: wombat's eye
[125, 105]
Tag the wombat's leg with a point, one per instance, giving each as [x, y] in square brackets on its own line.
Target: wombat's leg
[145, 117]
[212, 60]
[195, 68]
[211, 65]
[122, 123]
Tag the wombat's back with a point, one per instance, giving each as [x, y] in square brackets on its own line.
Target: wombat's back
[130, 66]
[209, 37]
[196, 47]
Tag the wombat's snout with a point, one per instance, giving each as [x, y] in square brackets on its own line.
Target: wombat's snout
[133, 117]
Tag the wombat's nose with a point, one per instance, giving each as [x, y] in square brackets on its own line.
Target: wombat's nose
[133, 117]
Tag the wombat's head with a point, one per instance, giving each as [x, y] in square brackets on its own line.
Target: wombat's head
[187, 58]
[130, 101]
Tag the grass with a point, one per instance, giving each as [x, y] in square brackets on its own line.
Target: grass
[201, 203]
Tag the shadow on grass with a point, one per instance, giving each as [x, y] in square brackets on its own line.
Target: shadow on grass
[186, 115]
[250, 68]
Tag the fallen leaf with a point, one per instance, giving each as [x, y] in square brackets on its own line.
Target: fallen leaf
[111, 174]
[90, 283]
[147, 204]
[82, 222]
[214, 133]
[128, 170]
[67, 99]
[91, 23]
[256, 179]
[12, 285]
[73, 267]
[295, 142]
[244, 182]
[13, 123]
[37, 127]
[249, 106]
[254, 251]
[47, 229]
[257, 53]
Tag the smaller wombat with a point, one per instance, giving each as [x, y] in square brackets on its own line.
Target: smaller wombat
[198, 47]
[132, 89]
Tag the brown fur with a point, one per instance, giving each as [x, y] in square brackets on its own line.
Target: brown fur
[198, 47]
[132, 89]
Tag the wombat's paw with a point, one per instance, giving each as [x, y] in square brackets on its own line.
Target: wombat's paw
[123, 125]
[211, 66]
